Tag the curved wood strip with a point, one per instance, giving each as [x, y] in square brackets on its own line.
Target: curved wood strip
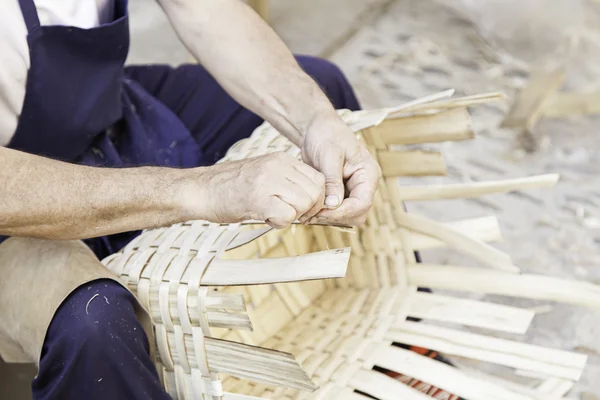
[478, 249]
[468, 312]
[559, 363]
[321, 265]
[486, 229]
[475, 189]
[479, 280]
[441, 375]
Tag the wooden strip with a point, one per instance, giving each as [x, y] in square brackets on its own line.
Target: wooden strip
[219, 319]
[449, 125]
[422, 101]
[256, 364]
[469, 312]
[441, 375]
[364, 119]
[475, 189]
[479, 280]
[412, 163]
[555, 387]
[572, 104]
[374, 139]
[247, 236]
[529, 104]
[559, 363]
[457, 240]
[383, 387]
[222, 300]
[324, 264]
[264, 320]
[232, 396]
[532, 393]
[486, 229]
[457, 102]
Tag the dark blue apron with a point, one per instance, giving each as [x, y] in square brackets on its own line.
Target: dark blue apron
[80, 107]
[83, 106]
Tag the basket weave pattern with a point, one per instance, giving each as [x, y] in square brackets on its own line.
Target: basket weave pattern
[322, 336]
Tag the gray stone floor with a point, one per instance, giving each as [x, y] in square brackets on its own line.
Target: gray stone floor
[394, 51]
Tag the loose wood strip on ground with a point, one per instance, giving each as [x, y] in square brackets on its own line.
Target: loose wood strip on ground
[412, 163]
[449, 125]
[562, 364]
[475, 189]
[457, 102]
[529, 104]
[422, 101]
[572, 104]
[469, 312]
[479, 280]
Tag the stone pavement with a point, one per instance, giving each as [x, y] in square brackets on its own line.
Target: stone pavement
[421, 47]
[394, 51]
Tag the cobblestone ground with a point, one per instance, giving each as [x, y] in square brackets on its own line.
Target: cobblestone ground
[421, 47]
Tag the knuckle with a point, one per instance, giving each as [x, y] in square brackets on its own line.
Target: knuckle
[273, 159]
[320, 179]
[332, 182]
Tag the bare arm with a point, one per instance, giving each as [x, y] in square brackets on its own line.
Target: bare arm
[54, 200]
[250, 61]
[255, 67]
[50, 199]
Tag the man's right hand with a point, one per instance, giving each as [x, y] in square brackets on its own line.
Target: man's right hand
[276, 188]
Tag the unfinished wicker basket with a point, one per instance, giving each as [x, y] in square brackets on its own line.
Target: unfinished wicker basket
[340, 329]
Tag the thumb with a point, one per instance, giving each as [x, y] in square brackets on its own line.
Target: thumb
[334, 185]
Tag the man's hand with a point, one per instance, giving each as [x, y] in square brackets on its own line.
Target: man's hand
[351, 174]
[255, 67]
[275, 188]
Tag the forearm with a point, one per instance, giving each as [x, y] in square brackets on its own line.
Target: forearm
[49, 199]
[250, 62]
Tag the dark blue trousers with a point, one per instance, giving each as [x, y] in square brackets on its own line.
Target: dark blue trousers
[103, 353]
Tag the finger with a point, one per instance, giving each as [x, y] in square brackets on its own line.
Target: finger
[278, 214]
[291, 190]
[362, 186]
[311, 173]
[332, 167]
[313, 182]
[350, 210]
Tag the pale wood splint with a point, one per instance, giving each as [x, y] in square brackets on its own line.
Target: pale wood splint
[327, 333]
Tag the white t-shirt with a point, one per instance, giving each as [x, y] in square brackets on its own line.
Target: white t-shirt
[14, 51]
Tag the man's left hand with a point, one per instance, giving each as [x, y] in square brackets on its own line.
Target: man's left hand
[351, 174]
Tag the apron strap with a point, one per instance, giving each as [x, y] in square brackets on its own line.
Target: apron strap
[30, 14]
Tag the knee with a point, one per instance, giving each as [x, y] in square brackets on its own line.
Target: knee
[331, 79]
[97, 317]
